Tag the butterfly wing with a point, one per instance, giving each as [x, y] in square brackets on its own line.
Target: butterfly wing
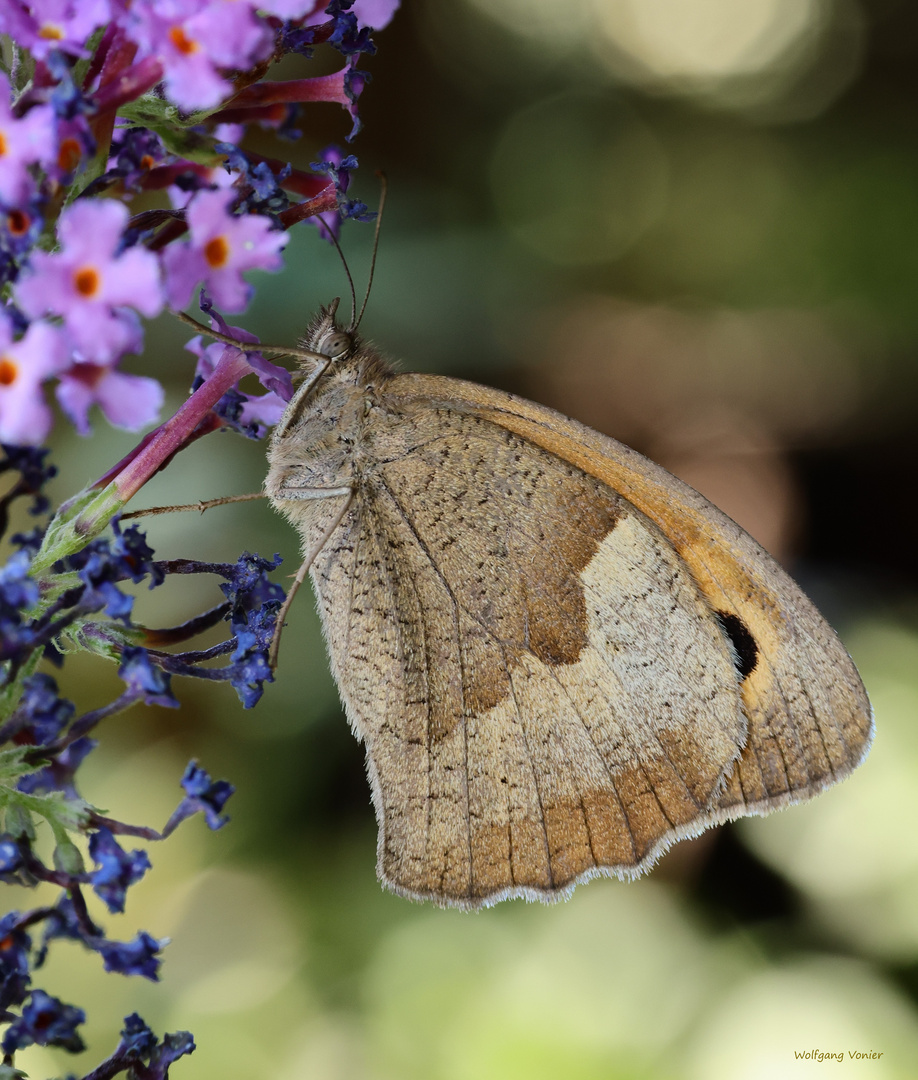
[560, 658]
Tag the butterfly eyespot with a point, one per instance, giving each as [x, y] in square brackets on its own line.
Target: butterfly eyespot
[742, 643]
[336, 344]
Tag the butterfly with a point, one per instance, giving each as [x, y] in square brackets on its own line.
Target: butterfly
[560, 658]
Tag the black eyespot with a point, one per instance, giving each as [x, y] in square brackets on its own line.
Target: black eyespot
[745, 650]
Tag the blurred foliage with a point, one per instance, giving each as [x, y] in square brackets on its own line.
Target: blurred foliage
[700, 236]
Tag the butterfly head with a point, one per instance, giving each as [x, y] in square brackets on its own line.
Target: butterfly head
[325, 337]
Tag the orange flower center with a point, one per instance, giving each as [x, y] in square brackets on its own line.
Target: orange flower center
[216, 252]
[8, 371]
[18, 221]
[50, 32]
[69, 154]
[86, 281]
[2, 144]
[181, 42]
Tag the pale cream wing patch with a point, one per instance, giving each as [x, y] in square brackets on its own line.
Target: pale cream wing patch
[541, 687]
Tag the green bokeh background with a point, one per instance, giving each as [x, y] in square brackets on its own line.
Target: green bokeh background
[720, 271]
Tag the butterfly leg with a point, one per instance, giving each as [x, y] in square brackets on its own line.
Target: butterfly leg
[207, 504]
[295, 493]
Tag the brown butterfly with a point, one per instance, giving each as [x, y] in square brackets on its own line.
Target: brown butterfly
[561, 658]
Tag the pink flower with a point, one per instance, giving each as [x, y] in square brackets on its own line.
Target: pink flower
[126, 401]
[56, 24]
[25, 418]
[193, 39]
[375, 13]
[256, 410]
[91, 284]
[296, 9]
[24, 141]
[74, 146]
[216, 176]
[222, 246]
[16, 21]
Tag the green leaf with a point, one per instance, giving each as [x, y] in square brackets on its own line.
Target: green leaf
[19, 823]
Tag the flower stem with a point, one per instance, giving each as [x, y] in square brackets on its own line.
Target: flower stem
[83, 517]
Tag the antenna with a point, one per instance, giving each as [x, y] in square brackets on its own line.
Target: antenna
[382, 202]
[334, 239]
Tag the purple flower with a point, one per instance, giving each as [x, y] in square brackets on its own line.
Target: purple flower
[250, 588]
[331, 164]
[249, 414]
[137, 957]
[375, 13]
[24, 141]
[296, 9]
[140, 674]
[137, 1040]
[29, 462]
[126, 401]
[117, 869]
[222, 246]
[134, 554]
[266, 194]
[100, 572]
[339, 168]
[186, 184]
[59, 774]
[351, 32]
[30, 542]
[192, 39]
[59, 24]
[41, 714]
[138, 1043]
[62, 924]
[25, 418]
[134, 152]
[18, 593]
[203, 795]
[14, 961]
[354, 83]
[75, 145]
[91, 282]
[46, 1021]
[10, 855]
[13, 870]
[66, 98]
[261, 411]
[250, 666]
[173, 1046]
[348, 36]
[23, 228]
[271, 376]
[256, 601]
[15, 21]
[102, 564]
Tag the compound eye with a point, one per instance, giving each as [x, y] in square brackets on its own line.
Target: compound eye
[336, 344]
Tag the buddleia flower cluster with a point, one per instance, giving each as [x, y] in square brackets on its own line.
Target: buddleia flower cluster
[101, 102]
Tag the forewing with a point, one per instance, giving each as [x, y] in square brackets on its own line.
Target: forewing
[542, 687]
